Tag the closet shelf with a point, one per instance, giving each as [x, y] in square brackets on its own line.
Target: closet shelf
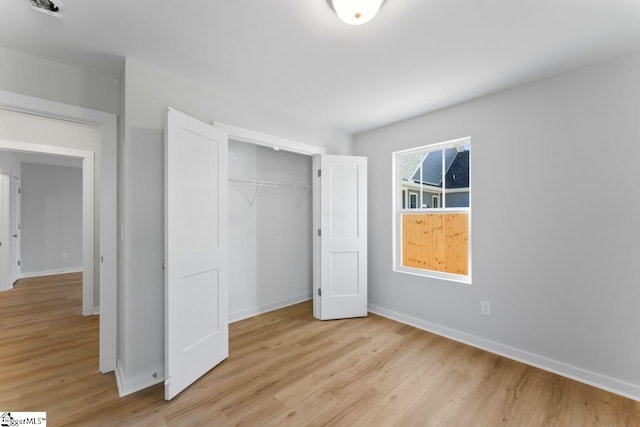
[259, 184]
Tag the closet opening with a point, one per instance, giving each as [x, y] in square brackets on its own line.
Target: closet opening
[270, 229]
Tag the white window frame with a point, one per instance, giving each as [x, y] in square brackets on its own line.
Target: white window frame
[398, 211]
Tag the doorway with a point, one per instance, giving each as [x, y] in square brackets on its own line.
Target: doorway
[38, 126]
[282, 174]
[45, 212]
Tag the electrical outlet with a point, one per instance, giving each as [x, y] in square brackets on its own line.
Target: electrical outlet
[485, 308]
[63, 255]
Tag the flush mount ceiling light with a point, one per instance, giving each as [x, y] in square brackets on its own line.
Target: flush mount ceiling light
[48, 7]
[356, 12]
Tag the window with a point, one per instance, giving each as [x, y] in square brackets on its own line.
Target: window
[432, 229]
[413, 200]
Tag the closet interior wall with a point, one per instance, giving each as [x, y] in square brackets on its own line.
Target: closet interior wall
[270, 229]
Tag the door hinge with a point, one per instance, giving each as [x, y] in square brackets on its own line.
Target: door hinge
[319, 173]
[19, 190]
[319, 292]
[319, 232]
[102, 258]
[18, 262]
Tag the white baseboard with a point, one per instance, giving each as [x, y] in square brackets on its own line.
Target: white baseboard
[51, 272]
[139, 382]
[632, 391]
[245, 314]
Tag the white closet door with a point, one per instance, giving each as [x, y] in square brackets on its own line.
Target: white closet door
[341, 241]
[196, 250]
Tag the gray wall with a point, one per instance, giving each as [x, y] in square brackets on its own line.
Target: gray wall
[147, 93]
[33, 76]
[243, 232]
[270, 252]
[285, 251]
[562, 276]
[51, 218]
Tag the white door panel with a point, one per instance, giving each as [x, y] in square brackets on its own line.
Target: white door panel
[341, 243]
[196, 289]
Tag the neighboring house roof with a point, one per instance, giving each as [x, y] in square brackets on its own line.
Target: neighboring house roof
[410, 163]
[432, 167]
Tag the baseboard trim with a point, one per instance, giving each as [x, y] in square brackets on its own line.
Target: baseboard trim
[51, 272]
[245, 314]
[127, 386]
[631, 391]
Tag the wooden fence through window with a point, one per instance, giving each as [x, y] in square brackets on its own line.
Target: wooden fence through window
[436, 241]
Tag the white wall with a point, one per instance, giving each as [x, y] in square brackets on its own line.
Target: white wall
[243, 232]
[560, 271]
[9, 163]
[270, 256]
[285, 229]
[51, 219]
[33, 76]
[147, 94]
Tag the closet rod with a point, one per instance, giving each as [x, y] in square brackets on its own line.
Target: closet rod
[261, 183]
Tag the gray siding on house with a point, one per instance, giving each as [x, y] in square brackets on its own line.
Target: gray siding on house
[457, 200]
[427, 199]
[458, 172]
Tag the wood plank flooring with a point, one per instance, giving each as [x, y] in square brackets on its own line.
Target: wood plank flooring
[285, 368]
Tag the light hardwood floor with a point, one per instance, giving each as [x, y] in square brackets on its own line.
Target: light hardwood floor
[285, 368]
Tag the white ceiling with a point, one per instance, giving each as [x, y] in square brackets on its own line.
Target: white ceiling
[416, 56]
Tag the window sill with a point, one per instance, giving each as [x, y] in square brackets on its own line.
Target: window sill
[465, 280]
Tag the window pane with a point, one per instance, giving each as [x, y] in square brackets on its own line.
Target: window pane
[413, 200]
[431, 170]
[410, 168]
[457, 179]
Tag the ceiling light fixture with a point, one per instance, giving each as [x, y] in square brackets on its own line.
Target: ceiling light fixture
[356, 12]
[48, 7]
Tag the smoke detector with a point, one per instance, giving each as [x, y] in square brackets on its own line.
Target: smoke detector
[48, 7]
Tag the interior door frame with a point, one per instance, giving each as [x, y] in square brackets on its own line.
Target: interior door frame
[88, 212]
[106, 260]
[6, 253]
[16, 214]
[277, 143]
